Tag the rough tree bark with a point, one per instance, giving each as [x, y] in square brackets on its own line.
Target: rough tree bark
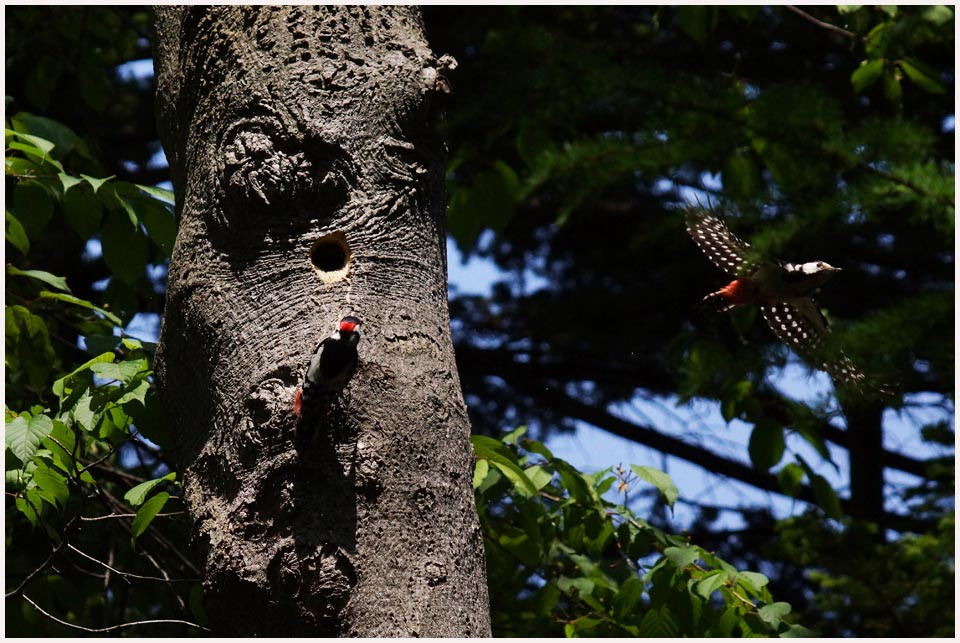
[310, 186]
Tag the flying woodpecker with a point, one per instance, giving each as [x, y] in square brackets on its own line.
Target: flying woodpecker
[333, 363]
[783, 291]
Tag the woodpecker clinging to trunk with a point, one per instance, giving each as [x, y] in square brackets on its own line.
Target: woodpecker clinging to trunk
[782, 290]
[333, 363]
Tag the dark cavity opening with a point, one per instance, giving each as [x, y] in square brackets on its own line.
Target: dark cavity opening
[330, 253]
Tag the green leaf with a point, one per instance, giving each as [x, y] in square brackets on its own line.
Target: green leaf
[866, 74]
[922, 75]
[723, 628]
[121, 371]
[161, 225]
[15, 233]
[485, 446]
[138, 494]
[892, 89]
[585, 627]
[790, 479]
[480, 473]
[798, 631]
[127, 207]
[57, 282]
[70, 299]
[659, 623]
[68, 181]
[697, 21]
[136, 391]
[539, 476]
[766, 445]
[515, 474]
[774, 612]
[682, 556]
[96, 183]
[33, 207]
[576, 484]
[26, 508]
[513, 436]
[627, 598]
[848, 8]
[42, 145]
[538, 447]
[51, 485]
[21, 168]
[147, 512]
[658, 479]
[61, 442]
[28, 348]
[83, 212]
[157, 193]
[826, 496]
[82, 412]
[58, 385]
[753, 626]
[752, 581]
[711, 582]
[578, 587]
[23, 434]
[61, 138]
[938, 14]
[124, 248]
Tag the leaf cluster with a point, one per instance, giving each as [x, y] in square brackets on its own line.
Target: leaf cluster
[564, 559]
[82, 418]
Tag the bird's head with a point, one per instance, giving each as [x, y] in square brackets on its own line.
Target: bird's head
[349, 329]
[818, 267]
[816, 273]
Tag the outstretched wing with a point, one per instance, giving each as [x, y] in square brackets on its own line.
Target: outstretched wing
[721, 246]
[801, 326]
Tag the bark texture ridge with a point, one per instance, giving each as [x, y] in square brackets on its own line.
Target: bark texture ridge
[309, 182]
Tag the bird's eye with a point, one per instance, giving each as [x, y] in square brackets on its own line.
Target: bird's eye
[819, 264]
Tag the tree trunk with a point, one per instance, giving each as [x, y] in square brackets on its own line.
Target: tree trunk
[310, 186]
[865, 426]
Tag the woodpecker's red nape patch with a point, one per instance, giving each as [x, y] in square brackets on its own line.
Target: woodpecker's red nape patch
[298, 402]
[348, 325]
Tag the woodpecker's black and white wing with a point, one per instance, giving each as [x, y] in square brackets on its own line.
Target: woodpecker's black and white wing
[801, 326]
[727, 251]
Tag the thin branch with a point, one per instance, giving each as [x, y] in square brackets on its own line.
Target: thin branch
[112, 627]
[820, 23]
[112, 450]
[46, 563]
[112, 516]
[132, 575]
[910, 185]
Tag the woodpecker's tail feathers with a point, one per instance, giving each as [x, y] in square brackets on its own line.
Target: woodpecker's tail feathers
[848, 376]
[716, 302]
[801, 326]
[311, 422]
